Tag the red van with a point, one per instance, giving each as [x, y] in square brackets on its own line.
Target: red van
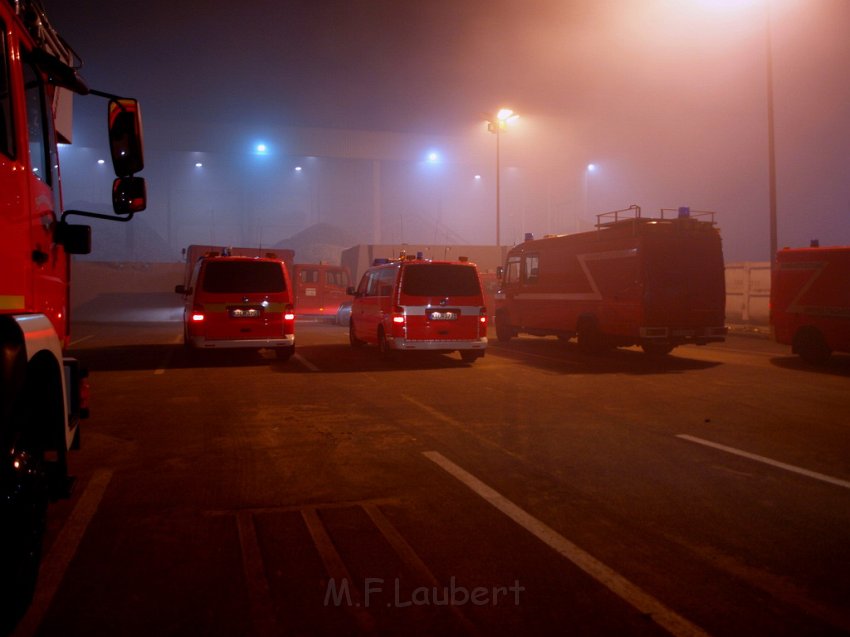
[239, 302]
[414, 304]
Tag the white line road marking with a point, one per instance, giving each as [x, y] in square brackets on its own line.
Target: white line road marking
[262, 609]
[306, 363]
[674, 623]
[56, 562]
[762, 459]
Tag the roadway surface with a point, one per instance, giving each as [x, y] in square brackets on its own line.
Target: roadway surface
[539, 491]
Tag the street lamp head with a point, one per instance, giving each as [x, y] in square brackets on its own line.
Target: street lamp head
[591, 167]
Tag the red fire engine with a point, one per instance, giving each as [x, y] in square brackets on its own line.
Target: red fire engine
[42, 393]
[653, 282]
[320, 288]
[810, 301]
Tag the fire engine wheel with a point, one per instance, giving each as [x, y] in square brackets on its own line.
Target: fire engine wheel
[504, 332]
[656, 349]
[810, 345]
[24, 512]
[590, 340]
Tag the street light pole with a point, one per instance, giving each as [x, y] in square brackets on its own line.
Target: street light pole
[497, 124]
[498, 192]
[771, 148]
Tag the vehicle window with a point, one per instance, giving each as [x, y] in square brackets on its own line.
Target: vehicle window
[372, 284]
[386, 280]
[36, 124]
[512, 271]
[439, 279]
[7, 138]
[309, 276]
[532, 268]
[363, 287]
[222, 277]
[337, 278]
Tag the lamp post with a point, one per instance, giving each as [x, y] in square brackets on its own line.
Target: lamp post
[498, 125]
[771, 148]
[590, 168]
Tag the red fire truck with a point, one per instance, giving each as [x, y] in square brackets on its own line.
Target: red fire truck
[42, 392]
[810, 301]
[320, 288]
[654, 282]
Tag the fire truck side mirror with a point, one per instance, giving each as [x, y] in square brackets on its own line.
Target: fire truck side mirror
[129, 195]
[76, 239]
[125, 137]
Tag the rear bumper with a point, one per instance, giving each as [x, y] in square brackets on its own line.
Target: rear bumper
[438, 345]
[201, 342]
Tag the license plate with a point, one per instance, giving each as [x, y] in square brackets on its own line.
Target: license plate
[244, 312]
[443, 315]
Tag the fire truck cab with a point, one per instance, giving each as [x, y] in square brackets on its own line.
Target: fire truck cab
[810, 301]
[43, 393]
[413, 304]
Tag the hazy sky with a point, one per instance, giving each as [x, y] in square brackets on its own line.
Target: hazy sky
[667, 97]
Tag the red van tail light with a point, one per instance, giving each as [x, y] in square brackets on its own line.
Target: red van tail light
[398, 321]
[289, 319]
[482, 322]
[197, 314]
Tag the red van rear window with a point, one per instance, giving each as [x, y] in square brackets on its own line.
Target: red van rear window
[440, 279]
[234, 277]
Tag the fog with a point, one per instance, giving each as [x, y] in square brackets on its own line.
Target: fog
[667, 98]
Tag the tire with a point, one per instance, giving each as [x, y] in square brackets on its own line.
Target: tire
[590, 341]
[656, 349]
[810, 345]
[384, 347]
[355, 342]
[504, 331]
[23, 509]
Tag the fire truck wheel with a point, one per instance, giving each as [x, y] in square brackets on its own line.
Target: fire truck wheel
[810, 345]
[590, 341]
[355, 342]
[24, 512]
[504, 332]
[656, 349]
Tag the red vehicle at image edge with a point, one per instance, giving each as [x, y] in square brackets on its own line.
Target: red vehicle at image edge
[43, 394]
[412, 304]
[810, 301]
[654, 282]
